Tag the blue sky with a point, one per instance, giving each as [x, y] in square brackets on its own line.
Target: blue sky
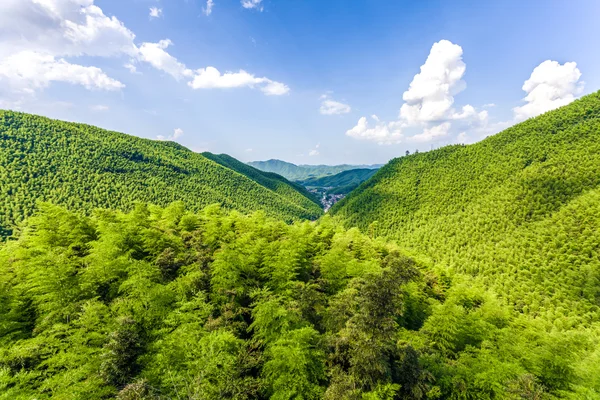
[324, 81]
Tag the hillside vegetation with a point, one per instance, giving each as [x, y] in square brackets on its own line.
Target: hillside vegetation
[520, 211]
[270, 180]
[301, 172]
[168, 304]
[84, 167]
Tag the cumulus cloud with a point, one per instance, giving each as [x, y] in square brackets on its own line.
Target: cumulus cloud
[332, 107]
[256, 4]
[431, 93]
[381, 133]
[428, 103]
[551, 85]
[155, 12]
[211, 78]
[28, 71]
[155, 55]
[430, 134]
[177, 133]
[209, 6]
[52, 33]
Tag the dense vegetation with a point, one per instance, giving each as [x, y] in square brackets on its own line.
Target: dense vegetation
[270, 180]
[84, 167]
[302, 172]
[167, 304]
[519, 210]
[342, 183]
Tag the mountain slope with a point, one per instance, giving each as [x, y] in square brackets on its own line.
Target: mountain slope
[301, 172]
[273, 181]
[520, 210]
[84, 167]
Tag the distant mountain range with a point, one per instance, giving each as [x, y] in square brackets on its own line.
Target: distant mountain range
[302, 172]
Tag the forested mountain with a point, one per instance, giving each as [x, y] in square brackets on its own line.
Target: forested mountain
[342, 183]
[84, 167]
[167, 304]
[519, 210]
[301, 172]
[270, 180]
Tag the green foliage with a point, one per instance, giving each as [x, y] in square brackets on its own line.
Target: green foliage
[518, 210]
[83, 167]
[164, 303]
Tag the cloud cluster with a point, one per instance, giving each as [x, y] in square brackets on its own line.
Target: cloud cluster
[155, 12]
[332, 107]
[255, 4]
[42, 41]
[428, 102]
[551, 85]
[381, 133]
[177, 133]
[27, 71]
[211, 78]
[209, 6]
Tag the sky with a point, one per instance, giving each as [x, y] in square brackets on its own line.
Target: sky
[309, 82]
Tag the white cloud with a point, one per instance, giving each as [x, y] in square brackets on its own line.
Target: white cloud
[273, 88]
[428, 102]
[209, 6]
[257, 4]
[131, 67]
[315, 151]
[177, 133]
[99, 108]
[430, 134]
[551, 85]
[381, 133]
[155, 55]
[249, 150]
[489, 105]
[431, 92]
[29, 71]
[52, 33]
[211, 78]
[62, 28]
[332, 107]
[156, 12]
[462, 138]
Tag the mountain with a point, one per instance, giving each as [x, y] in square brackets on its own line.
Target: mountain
[302, 172]
[270, 180]
[520, 211]
[84, 167]
[342, 183]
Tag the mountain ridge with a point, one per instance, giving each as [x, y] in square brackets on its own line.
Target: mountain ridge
[85, 167]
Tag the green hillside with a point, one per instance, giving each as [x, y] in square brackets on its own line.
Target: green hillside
[341, 183]
[301, 172]
[270, 180]
[519, 210]
[84, 167]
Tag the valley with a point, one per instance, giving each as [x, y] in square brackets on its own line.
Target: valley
[474, 264]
